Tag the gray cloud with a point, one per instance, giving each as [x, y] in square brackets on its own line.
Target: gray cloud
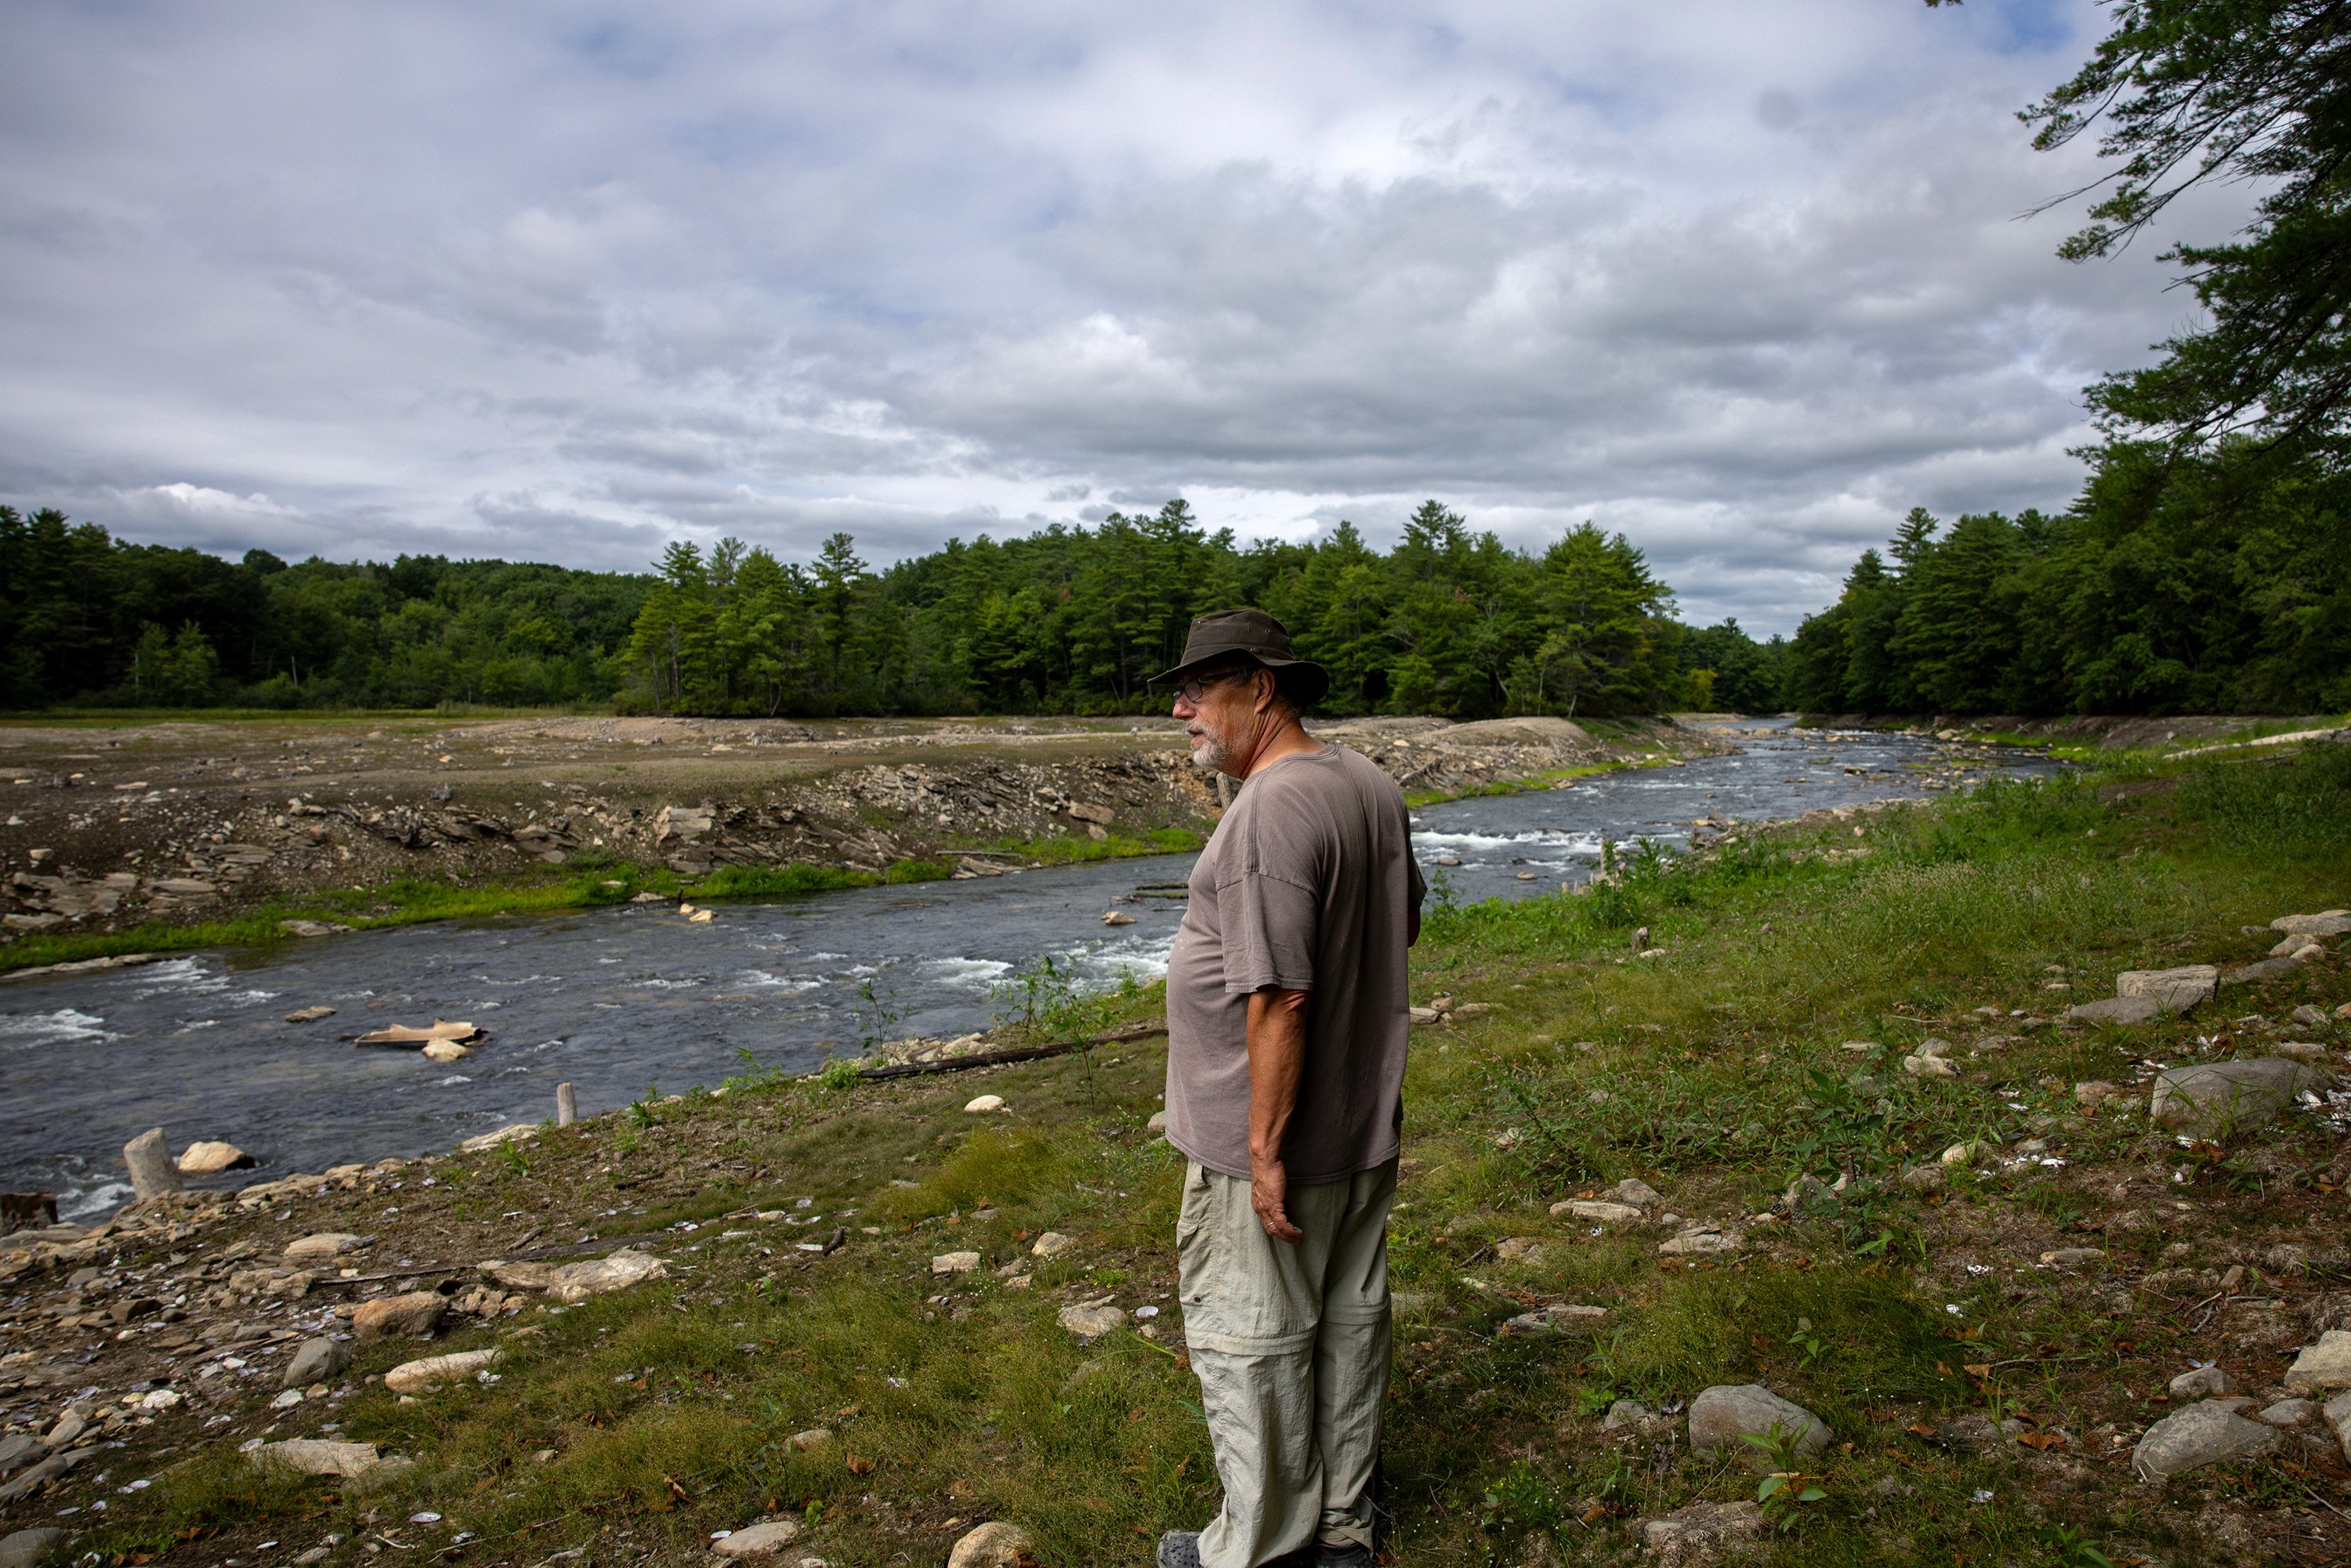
[564, 282]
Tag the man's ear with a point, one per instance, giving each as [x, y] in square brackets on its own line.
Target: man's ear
[1267, 693]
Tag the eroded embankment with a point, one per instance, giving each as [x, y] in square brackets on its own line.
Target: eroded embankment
[113, 829]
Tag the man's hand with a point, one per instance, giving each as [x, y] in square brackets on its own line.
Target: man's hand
[1276, 1055]
[1269, 1195]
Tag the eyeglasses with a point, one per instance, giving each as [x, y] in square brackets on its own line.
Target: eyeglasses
[1193, 690]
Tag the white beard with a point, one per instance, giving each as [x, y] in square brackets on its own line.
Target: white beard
[1208, 753]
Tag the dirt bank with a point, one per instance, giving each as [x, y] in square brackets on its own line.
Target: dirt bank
[115, 827]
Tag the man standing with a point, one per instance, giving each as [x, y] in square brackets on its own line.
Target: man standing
[1286, 1021]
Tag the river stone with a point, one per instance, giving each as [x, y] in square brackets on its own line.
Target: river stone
[1091, 1323]
[1702, 1532]
[1052, 1244]
[759, 1540]
[317, 1457]
[995, 1544]
[210, 1158]
[1598, 1210]
[24, 1548]
[317, 1361]
[2322, 1366]
[415, 1314]
[2118, 1009]
[1722, 1416]
[2332, 923]
[416, 1376]
[319, 1246]
[2214, 1099]
[2202, 1382]
[150, 1159]
[2176, 989]
[2203, 1434]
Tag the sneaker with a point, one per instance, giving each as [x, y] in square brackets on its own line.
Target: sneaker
[1179, 1549]
[1349, 1556]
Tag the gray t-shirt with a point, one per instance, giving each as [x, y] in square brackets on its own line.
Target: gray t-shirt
[1307, 884]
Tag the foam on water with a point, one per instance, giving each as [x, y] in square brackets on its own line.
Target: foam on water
[21, 1031]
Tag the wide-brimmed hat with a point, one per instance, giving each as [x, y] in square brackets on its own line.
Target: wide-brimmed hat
[1255, 634]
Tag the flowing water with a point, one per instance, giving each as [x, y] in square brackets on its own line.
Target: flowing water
[619, 1001]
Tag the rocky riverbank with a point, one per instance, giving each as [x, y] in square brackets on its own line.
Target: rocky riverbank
[175, 824]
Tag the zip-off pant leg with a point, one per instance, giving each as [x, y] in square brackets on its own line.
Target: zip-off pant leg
[1291, 1344]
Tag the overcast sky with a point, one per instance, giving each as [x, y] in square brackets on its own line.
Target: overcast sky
[561, 282]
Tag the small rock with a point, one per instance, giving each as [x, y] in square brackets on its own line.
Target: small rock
[1091, 1321]
[24, 1548]
[317, 1457]
[2176, 990]
[1637, 1193]
[1924, 1179]
[575, 1282]
[2074, 1256]
[207, 1158]
[317, 1361]
[2202, 1382]
[758, 1539]
[1519, 1249]
[1623, 1414]
[1722, 1416]
[1115, 917]
[1563, 1317]
[2288, 1412]
[2118, 1009]
[2218, 1099]
[1158, 1122]
[995, 1544]
[2310, 1017]
[2202, 1435]
[1700, 1241]
[2337, 1412]
[310, 927]
[2285, 1258]
[151, 1169]
[319, 1246]
[985, 1103]
[2097, 1091]
[1599, 1211]
[1052, 1244]
[1702, 1532]
[414, 1314]
[2322, 1366]
[814, 1436]
[309, 1015]
[513, 1132]
[419, 1377]
[2308, 1052]
[2332, 923]
[2288, 946]
[446, 1051]
[1956, 1155]
[1930, 1067]
[954, 1263]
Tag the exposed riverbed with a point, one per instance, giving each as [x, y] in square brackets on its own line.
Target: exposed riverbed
[617, 1001]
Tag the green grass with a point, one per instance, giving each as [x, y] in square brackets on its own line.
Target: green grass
[1718, 1073]
[1070, 849]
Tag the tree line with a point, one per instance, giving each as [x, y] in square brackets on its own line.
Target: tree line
[1066, 620]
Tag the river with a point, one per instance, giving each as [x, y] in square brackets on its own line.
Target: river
[624, 1002]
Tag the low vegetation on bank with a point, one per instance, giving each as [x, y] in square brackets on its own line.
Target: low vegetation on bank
[1983, 1275]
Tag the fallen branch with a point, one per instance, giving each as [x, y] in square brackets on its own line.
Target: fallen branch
[1021, 1053]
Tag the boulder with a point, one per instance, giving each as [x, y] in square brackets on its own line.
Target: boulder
[995, 1544]
[317, 1457]
[2118, 1009]
[24, 1548]
[2203, 1434]
[319, 1246]
[1703, 1532]
[414, 1314]
[419, 1377]
[2218, 1099]
[207, 1158]
[151, 1169]
[762, 1540]
[317, 1361]
[1720, 1416]
[2322, 1367]
[1597, 1210]
[2202, 1382]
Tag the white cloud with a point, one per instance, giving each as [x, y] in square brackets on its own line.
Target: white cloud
[564, 282]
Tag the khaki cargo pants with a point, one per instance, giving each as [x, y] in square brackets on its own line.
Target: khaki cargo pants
[1291, 1344]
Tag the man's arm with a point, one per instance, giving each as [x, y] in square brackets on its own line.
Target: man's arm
[1277, 1057]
